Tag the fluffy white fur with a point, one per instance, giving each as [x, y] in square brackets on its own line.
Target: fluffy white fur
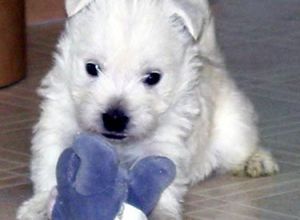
[196, 115]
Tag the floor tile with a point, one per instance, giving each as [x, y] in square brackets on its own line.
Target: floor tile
[11, 198]
[217, 215]
[17, 141]
[287, 157]
[7, 99]
[246, 197]
[7, 165]
[252, 184]
[8, 110]
[21, 171]
[10, 155]
[286, 136]
[277, 92]
[13, 181]
[293, 149]
[5, 175]
[257, 212]
[10, 126]
[269, 108]
[286, 203]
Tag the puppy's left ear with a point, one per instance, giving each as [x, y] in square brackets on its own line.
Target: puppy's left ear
[189, 15]
[74, 6]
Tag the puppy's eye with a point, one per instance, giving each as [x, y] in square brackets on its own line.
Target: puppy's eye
[152, 78]
[93, 69]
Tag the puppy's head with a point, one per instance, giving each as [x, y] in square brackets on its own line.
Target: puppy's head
[128, 61]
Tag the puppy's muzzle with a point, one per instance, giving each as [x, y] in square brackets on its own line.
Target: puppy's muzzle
[115, 122]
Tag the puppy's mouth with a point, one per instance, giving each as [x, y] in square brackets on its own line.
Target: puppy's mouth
[114, 136]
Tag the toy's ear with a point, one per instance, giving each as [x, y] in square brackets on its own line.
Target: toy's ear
[147, 180]
[189, 15]
[74, 6]
[67, 168]
[98, 164]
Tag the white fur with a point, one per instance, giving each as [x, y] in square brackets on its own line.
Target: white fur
[196, 115]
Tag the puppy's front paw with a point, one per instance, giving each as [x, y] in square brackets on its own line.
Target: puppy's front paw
[261, 163]
[34, 209]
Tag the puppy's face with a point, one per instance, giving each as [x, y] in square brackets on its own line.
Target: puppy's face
[126, 62]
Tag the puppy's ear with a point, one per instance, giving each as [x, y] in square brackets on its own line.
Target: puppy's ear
[74, 6]
[194, 19]
[189, 15]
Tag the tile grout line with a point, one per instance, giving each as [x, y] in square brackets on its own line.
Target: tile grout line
[20, 163]
[265, 187]
[281, 132]
[8, 131]
[246, 181]
[220, 210]
[270, 211]
[249, 190]
[7, 186]
[17, 105]
[15, 152]
[17, 122]
[10, 94]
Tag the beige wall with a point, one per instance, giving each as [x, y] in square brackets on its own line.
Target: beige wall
[40, 11]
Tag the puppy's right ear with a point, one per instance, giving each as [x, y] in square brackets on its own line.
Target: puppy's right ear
[189, 15]
[193, 18]
[74, 6]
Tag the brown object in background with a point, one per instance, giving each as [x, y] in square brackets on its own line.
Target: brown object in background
[12, 41]
[41, 11]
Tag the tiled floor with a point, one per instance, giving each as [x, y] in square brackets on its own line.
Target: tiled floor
[261, 40]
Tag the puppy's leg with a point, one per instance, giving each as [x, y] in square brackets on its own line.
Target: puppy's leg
[53, 133]
[43, 166]
[169, 206]
[35, 208]
[235, 138]
[43, 176]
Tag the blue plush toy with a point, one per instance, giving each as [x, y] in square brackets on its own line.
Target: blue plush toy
[92, 186]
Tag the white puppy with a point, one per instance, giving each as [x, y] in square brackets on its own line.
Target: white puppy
[148, 76]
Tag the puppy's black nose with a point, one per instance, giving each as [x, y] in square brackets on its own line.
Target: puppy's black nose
[115, 120]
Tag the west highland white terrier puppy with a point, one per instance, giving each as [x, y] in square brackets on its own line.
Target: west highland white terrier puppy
[148, 76]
